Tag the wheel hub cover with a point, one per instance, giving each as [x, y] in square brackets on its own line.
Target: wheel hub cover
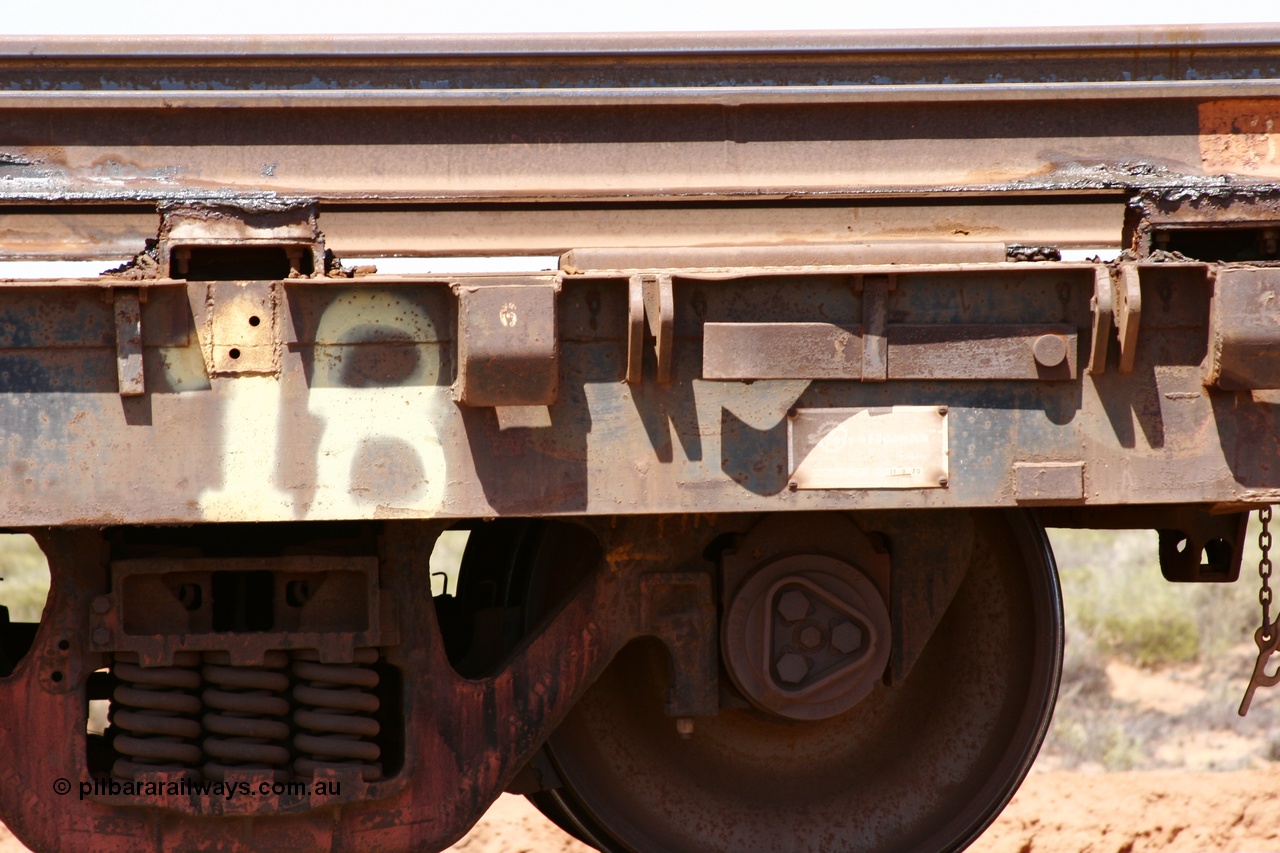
[807, 637]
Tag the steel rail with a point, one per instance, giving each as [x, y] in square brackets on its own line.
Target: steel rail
[657, 96]
[1199, 37]
[565, 124]
[961, 65]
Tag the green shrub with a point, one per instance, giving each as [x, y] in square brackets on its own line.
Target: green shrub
[1113, 594]
[1119, 608]
[1149, 640]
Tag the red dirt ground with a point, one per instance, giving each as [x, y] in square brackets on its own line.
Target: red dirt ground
[1055, 812]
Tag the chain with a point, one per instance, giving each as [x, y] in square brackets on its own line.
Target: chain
[1264, 570]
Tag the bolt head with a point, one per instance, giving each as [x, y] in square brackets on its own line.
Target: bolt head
[792, 668]
[794, 605]
[846, 638]
[1050, 350]
[101, 636]
[101, 604]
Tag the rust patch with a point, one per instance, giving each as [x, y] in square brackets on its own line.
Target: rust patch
[1240, 137]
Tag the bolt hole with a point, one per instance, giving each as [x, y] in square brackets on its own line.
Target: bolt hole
[255, 320]
[56, 676]
[1182, 545]
[1217, 554]
[297, 593]
[235, 353]
[63, 645]
[191, 595]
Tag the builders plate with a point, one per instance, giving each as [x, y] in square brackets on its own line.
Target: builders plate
[892, 447]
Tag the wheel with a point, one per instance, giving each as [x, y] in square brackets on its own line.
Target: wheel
[923, 765]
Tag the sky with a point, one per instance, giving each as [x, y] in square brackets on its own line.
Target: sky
[186, 17]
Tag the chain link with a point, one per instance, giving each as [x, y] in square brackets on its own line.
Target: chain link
[1264, 570]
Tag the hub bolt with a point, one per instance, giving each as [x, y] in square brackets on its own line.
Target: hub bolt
[846, 638]
[792, 668]
[794, 605]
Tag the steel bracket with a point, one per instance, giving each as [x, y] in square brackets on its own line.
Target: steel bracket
[240, 329]
[875, 318]
[1244, 335]
[127, 302]
[1102, 306]
[1217, 539]
[1198, 543]
[679, 609]
[157, 607]
[1128, 311]
[651, 310]
[228, 228]
[912, 351]
[508, 345]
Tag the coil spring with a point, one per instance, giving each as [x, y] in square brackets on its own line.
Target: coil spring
[334, 717]
[246, 725]
[156, 716]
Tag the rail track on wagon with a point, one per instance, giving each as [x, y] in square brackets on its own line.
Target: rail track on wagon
[753, 477]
